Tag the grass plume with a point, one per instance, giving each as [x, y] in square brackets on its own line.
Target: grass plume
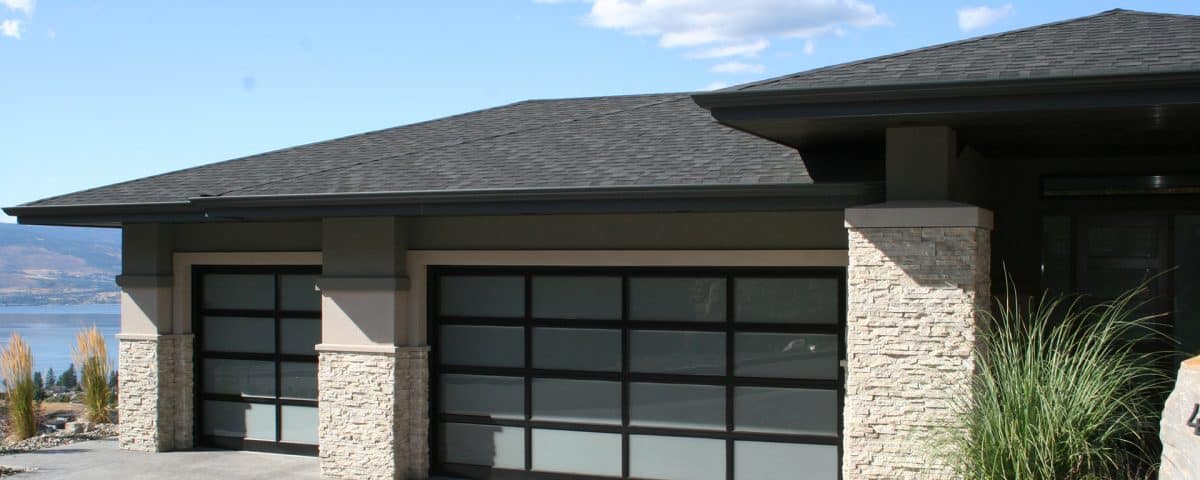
[91, 354]
[16, 371]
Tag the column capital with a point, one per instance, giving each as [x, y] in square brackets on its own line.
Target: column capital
[918, 214]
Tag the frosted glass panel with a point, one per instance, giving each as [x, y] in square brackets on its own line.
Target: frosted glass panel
[299, 336]
[239, 377]
[786, 410]
[497, 397]
[482, 296]
[298, 379]
[594, 298]
[677, 299]
[487, 445]
[580, 401]
[761, 460]
[299, 293]
[577, 349]
[577, 452]
[482, 346]
[787, 300]
[785, 355]
[235, 291]
[677, 406]
[253, 421]
[299, 424]
[239, 334]
[677, 458]
[690, 353]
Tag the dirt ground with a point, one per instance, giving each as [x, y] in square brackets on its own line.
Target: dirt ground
[50, 409]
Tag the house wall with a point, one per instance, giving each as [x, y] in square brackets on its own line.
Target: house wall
[370, 340]
[1016, 192]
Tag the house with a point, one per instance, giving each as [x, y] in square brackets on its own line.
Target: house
[776, 278]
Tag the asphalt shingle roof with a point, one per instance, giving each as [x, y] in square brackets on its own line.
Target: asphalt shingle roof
[648, 140]
[506, 143]
[1108, 43]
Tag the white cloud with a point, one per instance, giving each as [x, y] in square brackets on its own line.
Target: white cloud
[750, 49]
[975, 18]
[717, 85]
[19, 5]
[724, 28]
[11, 28]
[809, 47]
[737, 67]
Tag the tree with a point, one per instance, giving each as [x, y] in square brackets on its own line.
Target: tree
[51, 380]
[39, 387]
[69, 380]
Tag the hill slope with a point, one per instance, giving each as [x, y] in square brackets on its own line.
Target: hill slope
[58, 265]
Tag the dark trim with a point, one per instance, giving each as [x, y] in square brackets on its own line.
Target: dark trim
[277, 314]
[687, 198]
[1183, 84]
[623, 426]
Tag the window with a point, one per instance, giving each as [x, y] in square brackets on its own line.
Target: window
[636, 373]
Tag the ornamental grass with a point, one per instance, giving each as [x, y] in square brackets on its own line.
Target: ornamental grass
[91, 354]
[1065, 390]
[16, 372]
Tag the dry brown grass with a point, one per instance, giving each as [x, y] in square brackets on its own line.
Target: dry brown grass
[91, 354]
[16, 371]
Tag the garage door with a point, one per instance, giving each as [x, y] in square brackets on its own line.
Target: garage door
[256, 365]
[696, 374]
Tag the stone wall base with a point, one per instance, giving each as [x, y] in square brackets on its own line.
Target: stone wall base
[374, 413]
[155, 382]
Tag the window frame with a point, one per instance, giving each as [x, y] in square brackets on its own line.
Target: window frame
[199, 312]
[728, 380]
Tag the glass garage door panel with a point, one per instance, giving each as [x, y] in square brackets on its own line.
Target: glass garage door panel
[636, 373]
[257, 328]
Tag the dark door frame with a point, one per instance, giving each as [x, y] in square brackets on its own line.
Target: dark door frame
[277, 313]
[624, 376]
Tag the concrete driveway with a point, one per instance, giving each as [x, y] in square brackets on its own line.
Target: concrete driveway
[102, 460]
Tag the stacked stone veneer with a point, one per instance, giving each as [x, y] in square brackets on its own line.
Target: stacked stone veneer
[913, 298]
[155, 385]
[374, 414]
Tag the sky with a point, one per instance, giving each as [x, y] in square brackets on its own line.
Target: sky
[96, 92]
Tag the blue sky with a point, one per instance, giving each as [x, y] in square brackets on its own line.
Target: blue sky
[94, 92]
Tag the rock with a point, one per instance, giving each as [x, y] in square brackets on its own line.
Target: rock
[1181, 442]
[75, 428]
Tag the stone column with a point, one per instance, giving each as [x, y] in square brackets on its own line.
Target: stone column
[154, 361]
[155, 388]
[918, 274]
[373, 387]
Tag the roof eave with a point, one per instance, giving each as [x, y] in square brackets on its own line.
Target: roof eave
[948, 89]
[464, 202]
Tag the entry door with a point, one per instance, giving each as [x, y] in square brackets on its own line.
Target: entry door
[669, 374]
[256, 363]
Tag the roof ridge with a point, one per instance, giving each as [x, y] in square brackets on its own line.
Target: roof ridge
[672, 98]
[923, 49]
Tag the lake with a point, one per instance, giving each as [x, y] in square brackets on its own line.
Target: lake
[50, 330]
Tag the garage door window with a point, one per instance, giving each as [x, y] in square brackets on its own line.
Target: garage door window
[256, 365]
[728, 374]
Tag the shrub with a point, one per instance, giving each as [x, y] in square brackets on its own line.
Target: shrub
[16, 371]
[91, 353]
[1062, 392]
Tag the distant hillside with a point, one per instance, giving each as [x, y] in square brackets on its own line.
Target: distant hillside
[58, 265]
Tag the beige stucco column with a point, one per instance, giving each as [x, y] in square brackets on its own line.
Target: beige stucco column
[918, 274]
[154, 362]
[373, 385]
